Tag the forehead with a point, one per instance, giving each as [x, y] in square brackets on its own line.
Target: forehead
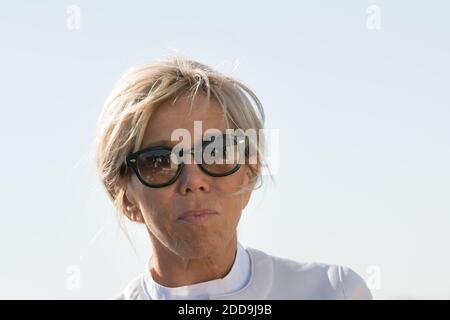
[170, 116]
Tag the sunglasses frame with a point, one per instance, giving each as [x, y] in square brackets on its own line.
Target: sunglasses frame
[131, 162]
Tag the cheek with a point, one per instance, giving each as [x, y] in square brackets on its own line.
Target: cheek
[234, 182]
[154, 204]
[158, 214]
[231, 195]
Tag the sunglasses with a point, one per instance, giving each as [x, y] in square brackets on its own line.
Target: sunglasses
[160, 166]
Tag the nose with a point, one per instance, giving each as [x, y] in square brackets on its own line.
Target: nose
[193, 179]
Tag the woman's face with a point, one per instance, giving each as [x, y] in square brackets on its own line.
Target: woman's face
[160, 208]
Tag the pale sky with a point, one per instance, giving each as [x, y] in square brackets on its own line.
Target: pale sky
[362, 110]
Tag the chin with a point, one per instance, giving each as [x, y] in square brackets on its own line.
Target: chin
[200, 247]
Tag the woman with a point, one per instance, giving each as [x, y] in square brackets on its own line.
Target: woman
[191, 205]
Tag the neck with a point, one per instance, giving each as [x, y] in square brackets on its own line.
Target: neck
[171, 270]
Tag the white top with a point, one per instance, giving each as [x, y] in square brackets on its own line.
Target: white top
[271, 278]
[235, 280]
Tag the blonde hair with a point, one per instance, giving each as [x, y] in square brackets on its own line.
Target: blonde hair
[142, 89]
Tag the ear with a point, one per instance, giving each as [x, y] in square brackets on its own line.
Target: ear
[131, 209]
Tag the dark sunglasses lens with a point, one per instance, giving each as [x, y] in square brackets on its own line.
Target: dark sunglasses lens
[156, 167]
[221, 156]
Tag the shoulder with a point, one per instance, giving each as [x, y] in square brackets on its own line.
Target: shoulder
[353, 284]
[313, 280]
[135, 290]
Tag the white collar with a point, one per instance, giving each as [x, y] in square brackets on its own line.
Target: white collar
[235, 280]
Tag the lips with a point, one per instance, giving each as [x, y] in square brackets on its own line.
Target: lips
[197, 216]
